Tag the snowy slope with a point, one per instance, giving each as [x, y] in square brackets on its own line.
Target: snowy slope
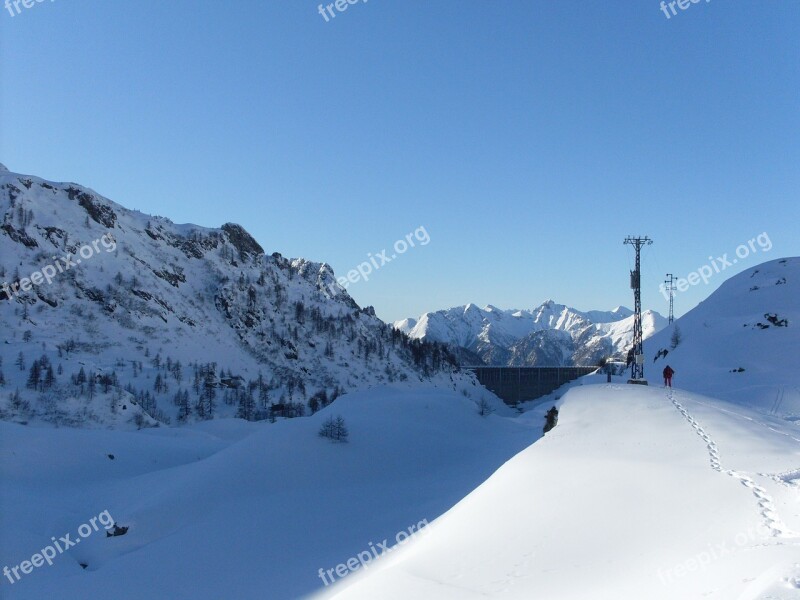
[550, 335]
[162, 308]
[635, 494]
[231, 509]
[643, 492]
[732, 330]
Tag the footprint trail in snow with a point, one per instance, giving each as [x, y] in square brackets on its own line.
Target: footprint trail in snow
[766, 504]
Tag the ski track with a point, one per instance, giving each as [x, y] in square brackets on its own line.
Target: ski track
[778, 400]
[766, 504]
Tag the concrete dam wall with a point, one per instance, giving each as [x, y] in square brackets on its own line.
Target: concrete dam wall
[519, 384]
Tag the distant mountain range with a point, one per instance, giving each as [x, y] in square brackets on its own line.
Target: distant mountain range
[550, 335]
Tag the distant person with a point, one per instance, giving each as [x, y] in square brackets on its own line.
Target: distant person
[668, 373]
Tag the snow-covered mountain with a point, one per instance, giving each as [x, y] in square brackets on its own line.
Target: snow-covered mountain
[742, 343]
[549, 335]
[108, 313]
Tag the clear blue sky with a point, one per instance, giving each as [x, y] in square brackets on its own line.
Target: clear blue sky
[528, 137]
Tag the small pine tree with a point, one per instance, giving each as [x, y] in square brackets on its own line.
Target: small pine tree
[33, 376]
[341, 430]
[18, 405]
[49, 378]
[177, 371]
[247, 406]
[334, 429]
[184, 408]
[263, 392]
[326, 430]
[200, 407]
[209, 393]
[484, 408]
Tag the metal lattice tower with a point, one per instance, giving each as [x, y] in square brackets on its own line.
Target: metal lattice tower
[670, 283]
[637, 367]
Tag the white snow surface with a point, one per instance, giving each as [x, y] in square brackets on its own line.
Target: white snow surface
[637, 493]
[231, 509]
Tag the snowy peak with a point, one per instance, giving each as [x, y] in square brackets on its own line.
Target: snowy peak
[617, 314]
[241, 240]
[550, 334]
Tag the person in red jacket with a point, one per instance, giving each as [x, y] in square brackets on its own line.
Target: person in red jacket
[668, 373]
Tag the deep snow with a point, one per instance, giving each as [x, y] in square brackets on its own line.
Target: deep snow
[231, 509]
[637, 493]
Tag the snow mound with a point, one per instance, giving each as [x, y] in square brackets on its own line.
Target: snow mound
[231, 509]
[637, 493]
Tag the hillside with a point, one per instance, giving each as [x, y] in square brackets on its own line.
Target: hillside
[741, 343]
[116, 318]
[637, 493]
